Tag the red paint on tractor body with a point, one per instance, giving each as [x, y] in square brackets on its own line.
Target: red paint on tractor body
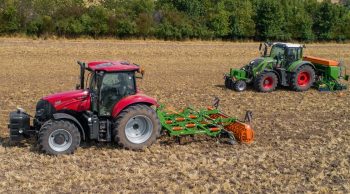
[76, 100]
[133, 99]
[112, 66]
[80, 100]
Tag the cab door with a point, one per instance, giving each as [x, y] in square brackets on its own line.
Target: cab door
[94, 91]
[292, 55]
[114, 87]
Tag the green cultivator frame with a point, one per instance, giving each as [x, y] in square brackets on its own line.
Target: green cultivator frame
[210, 122]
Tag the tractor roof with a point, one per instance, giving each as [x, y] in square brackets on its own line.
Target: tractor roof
[112, 66]
[289, 45]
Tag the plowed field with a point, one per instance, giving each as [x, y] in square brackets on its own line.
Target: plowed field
[302, 139]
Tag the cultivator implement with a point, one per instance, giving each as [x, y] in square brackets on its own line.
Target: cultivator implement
[211, 122]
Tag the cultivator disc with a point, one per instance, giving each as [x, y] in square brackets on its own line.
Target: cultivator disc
[210, 122]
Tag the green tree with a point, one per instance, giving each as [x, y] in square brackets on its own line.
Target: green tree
[324, 21]
[218, 20]
[340, 30]
[298, 22]
[95, 21]
[9, 19]
[269, 20]
[241, 22]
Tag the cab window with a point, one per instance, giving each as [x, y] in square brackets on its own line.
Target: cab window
[276, 51]
[292, 54]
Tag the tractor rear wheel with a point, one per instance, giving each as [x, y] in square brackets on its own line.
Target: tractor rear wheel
[303, 78]
[266, 82]
[137, 127]
[58, 137]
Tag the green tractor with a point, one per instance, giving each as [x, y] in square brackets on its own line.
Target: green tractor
[284, 65]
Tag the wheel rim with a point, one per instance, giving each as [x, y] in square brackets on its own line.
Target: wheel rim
[303, 78]
[240, 86]
[60, 140]
[138, 129]
[268, 83]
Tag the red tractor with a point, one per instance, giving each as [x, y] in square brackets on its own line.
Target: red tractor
[109, 108]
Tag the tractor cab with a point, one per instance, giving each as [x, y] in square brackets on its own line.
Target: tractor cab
[284, 53]
[109, 82]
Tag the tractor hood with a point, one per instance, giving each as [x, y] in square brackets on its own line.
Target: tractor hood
[65, 95]
[259, 60]
[72, 100]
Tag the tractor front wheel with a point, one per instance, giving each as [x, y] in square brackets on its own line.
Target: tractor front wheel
[137, 127]
[229, 83]
[266, 82]
[58, 137]
[303, 78]
[240, 86]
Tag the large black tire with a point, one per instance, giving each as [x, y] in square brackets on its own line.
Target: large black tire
[137, 127]
[266, 82]
[303, 78]
[58, 137]
[229, 83]
[240, 86]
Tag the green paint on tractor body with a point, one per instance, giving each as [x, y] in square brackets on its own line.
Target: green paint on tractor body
[284, 65]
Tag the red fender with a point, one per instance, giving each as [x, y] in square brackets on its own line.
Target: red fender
[133, 99]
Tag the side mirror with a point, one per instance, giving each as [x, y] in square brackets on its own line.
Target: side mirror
[77, 87]
[142, 72]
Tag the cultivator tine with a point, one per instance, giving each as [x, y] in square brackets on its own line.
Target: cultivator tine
[216, 102]
[248, 117]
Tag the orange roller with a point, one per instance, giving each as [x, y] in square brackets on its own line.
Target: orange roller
[180, 119]
[178, 128]
[192, 116]
[242, 132]
[210, 108]
[214, 129]
[191, 125]
[169, 122]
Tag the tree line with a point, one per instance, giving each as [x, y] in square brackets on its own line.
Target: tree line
[304, 20]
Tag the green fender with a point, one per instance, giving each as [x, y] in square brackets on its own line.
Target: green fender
[294, 66]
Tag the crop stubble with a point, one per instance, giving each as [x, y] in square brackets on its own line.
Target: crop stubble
[302, 139]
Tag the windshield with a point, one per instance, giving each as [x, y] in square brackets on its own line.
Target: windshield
[93, 81]
[276, 50]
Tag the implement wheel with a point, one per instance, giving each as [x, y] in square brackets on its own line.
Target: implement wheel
[137, 127]
[266, 82]
[303, 78]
